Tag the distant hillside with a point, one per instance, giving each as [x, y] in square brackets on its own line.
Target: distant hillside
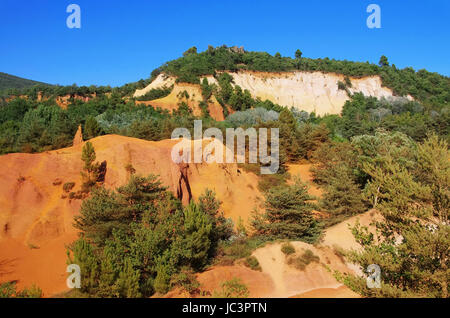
[10, 81]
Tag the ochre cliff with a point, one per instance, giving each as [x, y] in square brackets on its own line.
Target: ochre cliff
[309, 91]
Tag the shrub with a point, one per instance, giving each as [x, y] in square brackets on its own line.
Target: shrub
[185, 279]
[237, 248]
[300, 262]
[233, 288]
[253, 263]
[288, 214]
[8, 290]
[155, 93]
[287, 249]
[68, 186]
[139, 239]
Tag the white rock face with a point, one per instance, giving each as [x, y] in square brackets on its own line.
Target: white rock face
[309, 91]
[160, 81]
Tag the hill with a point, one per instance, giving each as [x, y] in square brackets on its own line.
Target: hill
[8, 81]
[36, 221]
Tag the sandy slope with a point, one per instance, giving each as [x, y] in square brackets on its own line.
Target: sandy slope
[277, 279]
[290, 281]
[340, 234]
[36, 222]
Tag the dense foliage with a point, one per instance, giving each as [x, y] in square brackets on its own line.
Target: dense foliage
[138, 239]
[409, 184]
[288, 214]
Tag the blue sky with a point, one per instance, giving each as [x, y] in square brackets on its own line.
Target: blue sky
[123, 41]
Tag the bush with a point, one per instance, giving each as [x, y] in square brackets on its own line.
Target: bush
[139, 239]
[288, 214]
[8, 290]
[155, 93]
[251, 117]
[233, 288]
[237, 248]
[287, 249]
[68, 186]
[185, 279]
[253, 263]
[300, 262]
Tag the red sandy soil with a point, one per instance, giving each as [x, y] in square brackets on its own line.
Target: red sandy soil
[258, 283]
[36, 222]
[278, 279]
[302, 171]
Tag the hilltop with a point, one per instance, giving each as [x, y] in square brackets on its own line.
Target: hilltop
[8, 81]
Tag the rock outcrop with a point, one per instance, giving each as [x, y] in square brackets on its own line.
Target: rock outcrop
[78, 138]
[309, 91]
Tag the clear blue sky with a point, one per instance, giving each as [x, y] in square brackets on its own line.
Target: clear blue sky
[123, 41]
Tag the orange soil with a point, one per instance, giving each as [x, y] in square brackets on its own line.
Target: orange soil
[340, 235]
[302, 171]
[258, 283]
[36, 223]
[340, 292]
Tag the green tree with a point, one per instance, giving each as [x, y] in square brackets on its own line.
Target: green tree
[434, 171]
[91, 171]
[288, 135]
[192, 50]
[383, 61]
[91, 128]
[412, 243]
[135, 239]
[288, 214]
[198, 227]
[342, 195]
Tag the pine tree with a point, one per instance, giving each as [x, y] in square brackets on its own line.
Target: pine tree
[288, 214]
[288, 135]
[198, 229]
[128, 281]
[91, 169]
[91, 128]
[383, 61]
[342, 195]
[434, 171]
[413, 242]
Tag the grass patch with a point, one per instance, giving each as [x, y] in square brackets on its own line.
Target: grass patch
[68, 186]
[287, 249]
[252, 262]
[230, 251]
[300, 262]
[233, 288]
